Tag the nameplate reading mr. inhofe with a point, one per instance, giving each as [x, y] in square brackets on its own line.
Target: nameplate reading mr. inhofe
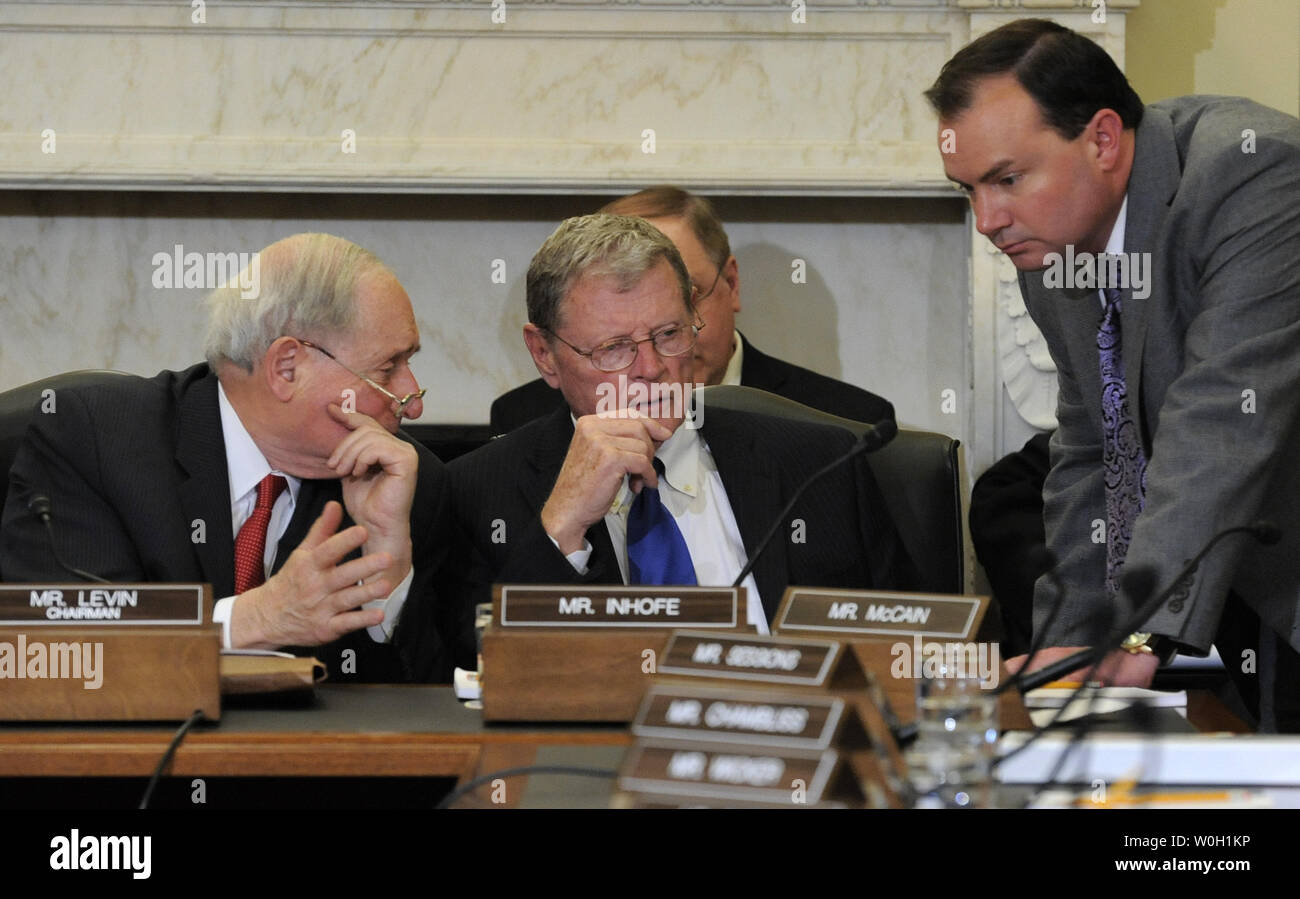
[595, 605]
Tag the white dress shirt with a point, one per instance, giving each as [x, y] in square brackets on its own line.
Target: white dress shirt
[692, 491]
[731, 376]
[1115, 244]
[246, 467]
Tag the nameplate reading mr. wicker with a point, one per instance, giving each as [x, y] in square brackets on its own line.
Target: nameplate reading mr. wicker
[597, 605]
[34, 605]
[783, 776]
[878, 613]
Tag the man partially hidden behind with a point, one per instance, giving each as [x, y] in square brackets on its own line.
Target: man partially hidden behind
[1179, 407]
[634, 495]
[722, 354]
[275, 471]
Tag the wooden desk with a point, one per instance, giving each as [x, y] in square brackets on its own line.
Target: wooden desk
[364, 732]
[346, 731]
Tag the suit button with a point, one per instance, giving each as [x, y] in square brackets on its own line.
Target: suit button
[1176, 605]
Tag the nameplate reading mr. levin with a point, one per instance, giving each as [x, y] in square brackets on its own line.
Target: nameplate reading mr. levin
[27, 605]
[596, 605]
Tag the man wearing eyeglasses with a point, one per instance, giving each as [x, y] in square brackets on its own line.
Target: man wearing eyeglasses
[275, 471]
[722, 354]
[617, 486]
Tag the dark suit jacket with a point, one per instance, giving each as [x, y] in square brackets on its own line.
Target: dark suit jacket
[136, 474]
[849, 541]
[1212, 361]
[1006, 529]
[535, 399]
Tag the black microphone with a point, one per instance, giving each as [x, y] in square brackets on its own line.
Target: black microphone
[39, 505]
[1140, 583]
[872, 439]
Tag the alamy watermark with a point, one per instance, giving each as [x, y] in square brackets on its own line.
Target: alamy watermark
[629, 399]
[1125, 271]
[50, 660]
[180, 269]
[934, 660]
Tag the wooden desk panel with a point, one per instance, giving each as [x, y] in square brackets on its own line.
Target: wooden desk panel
[347, 731]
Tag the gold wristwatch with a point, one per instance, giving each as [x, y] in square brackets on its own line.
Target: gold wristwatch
[1161, 647]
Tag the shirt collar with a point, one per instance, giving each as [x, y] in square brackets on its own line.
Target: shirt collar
[683, 466]
[1115, 245]
[736, 362]
[245, 464]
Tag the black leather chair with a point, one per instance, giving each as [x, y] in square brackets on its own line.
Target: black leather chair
[919, 473]
[17, 406]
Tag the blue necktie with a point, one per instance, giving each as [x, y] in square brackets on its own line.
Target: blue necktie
[1123, 462]
[656, 550]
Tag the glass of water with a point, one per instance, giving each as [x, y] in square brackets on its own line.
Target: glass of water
[950, 762]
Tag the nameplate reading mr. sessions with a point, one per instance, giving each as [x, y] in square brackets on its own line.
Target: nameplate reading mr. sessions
[877, 612]
[734, 715]
[597, 605]
[781, 660]
[28, 605]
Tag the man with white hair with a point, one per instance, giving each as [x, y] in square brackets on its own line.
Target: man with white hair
[274, 471]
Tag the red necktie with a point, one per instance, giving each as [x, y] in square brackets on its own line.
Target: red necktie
[250, 545]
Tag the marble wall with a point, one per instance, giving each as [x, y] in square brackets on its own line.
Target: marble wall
[446, 134]
[882, 305]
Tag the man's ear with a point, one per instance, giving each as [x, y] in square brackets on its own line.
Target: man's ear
[539, 347]
[1104, 131]
[280, 367]
[731, 274]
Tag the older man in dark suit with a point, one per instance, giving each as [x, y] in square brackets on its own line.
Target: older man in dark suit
[722, 354]
[619, 486]
[1179, 409]
[275, 472]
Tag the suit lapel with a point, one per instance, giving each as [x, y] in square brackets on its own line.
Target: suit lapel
[756, 369]
[312, 497]
[546, 457]
[205, 491]
[753, 490]
[1152, 185]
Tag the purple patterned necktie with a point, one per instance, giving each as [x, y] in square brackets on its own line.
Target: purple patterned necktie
[1123, 462]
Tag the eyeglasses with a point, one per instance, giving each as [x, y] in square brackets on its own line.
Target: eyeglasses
[708, 293]
[617, 355]
[402, 402]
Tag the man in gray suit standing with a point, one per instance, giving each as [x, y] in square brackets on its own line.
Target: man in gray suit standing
[1158, 252]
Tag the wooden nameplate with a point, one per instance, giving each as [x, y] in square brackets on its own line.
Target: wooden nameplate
[900, 637]
[585, 652]
[108, 652]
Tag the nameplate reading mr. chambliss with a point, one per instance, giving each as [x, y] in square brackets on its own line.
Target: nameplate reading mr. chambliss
[31, 605]
[597, 605]
[736, 715]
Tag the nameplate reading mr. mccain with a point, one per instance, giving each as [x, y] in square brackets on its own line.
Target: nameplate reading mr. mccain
[877, 613]
[597, 605]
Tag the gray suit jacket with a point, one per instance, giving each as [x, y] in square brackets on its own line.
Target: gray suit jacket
[1212, 361]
